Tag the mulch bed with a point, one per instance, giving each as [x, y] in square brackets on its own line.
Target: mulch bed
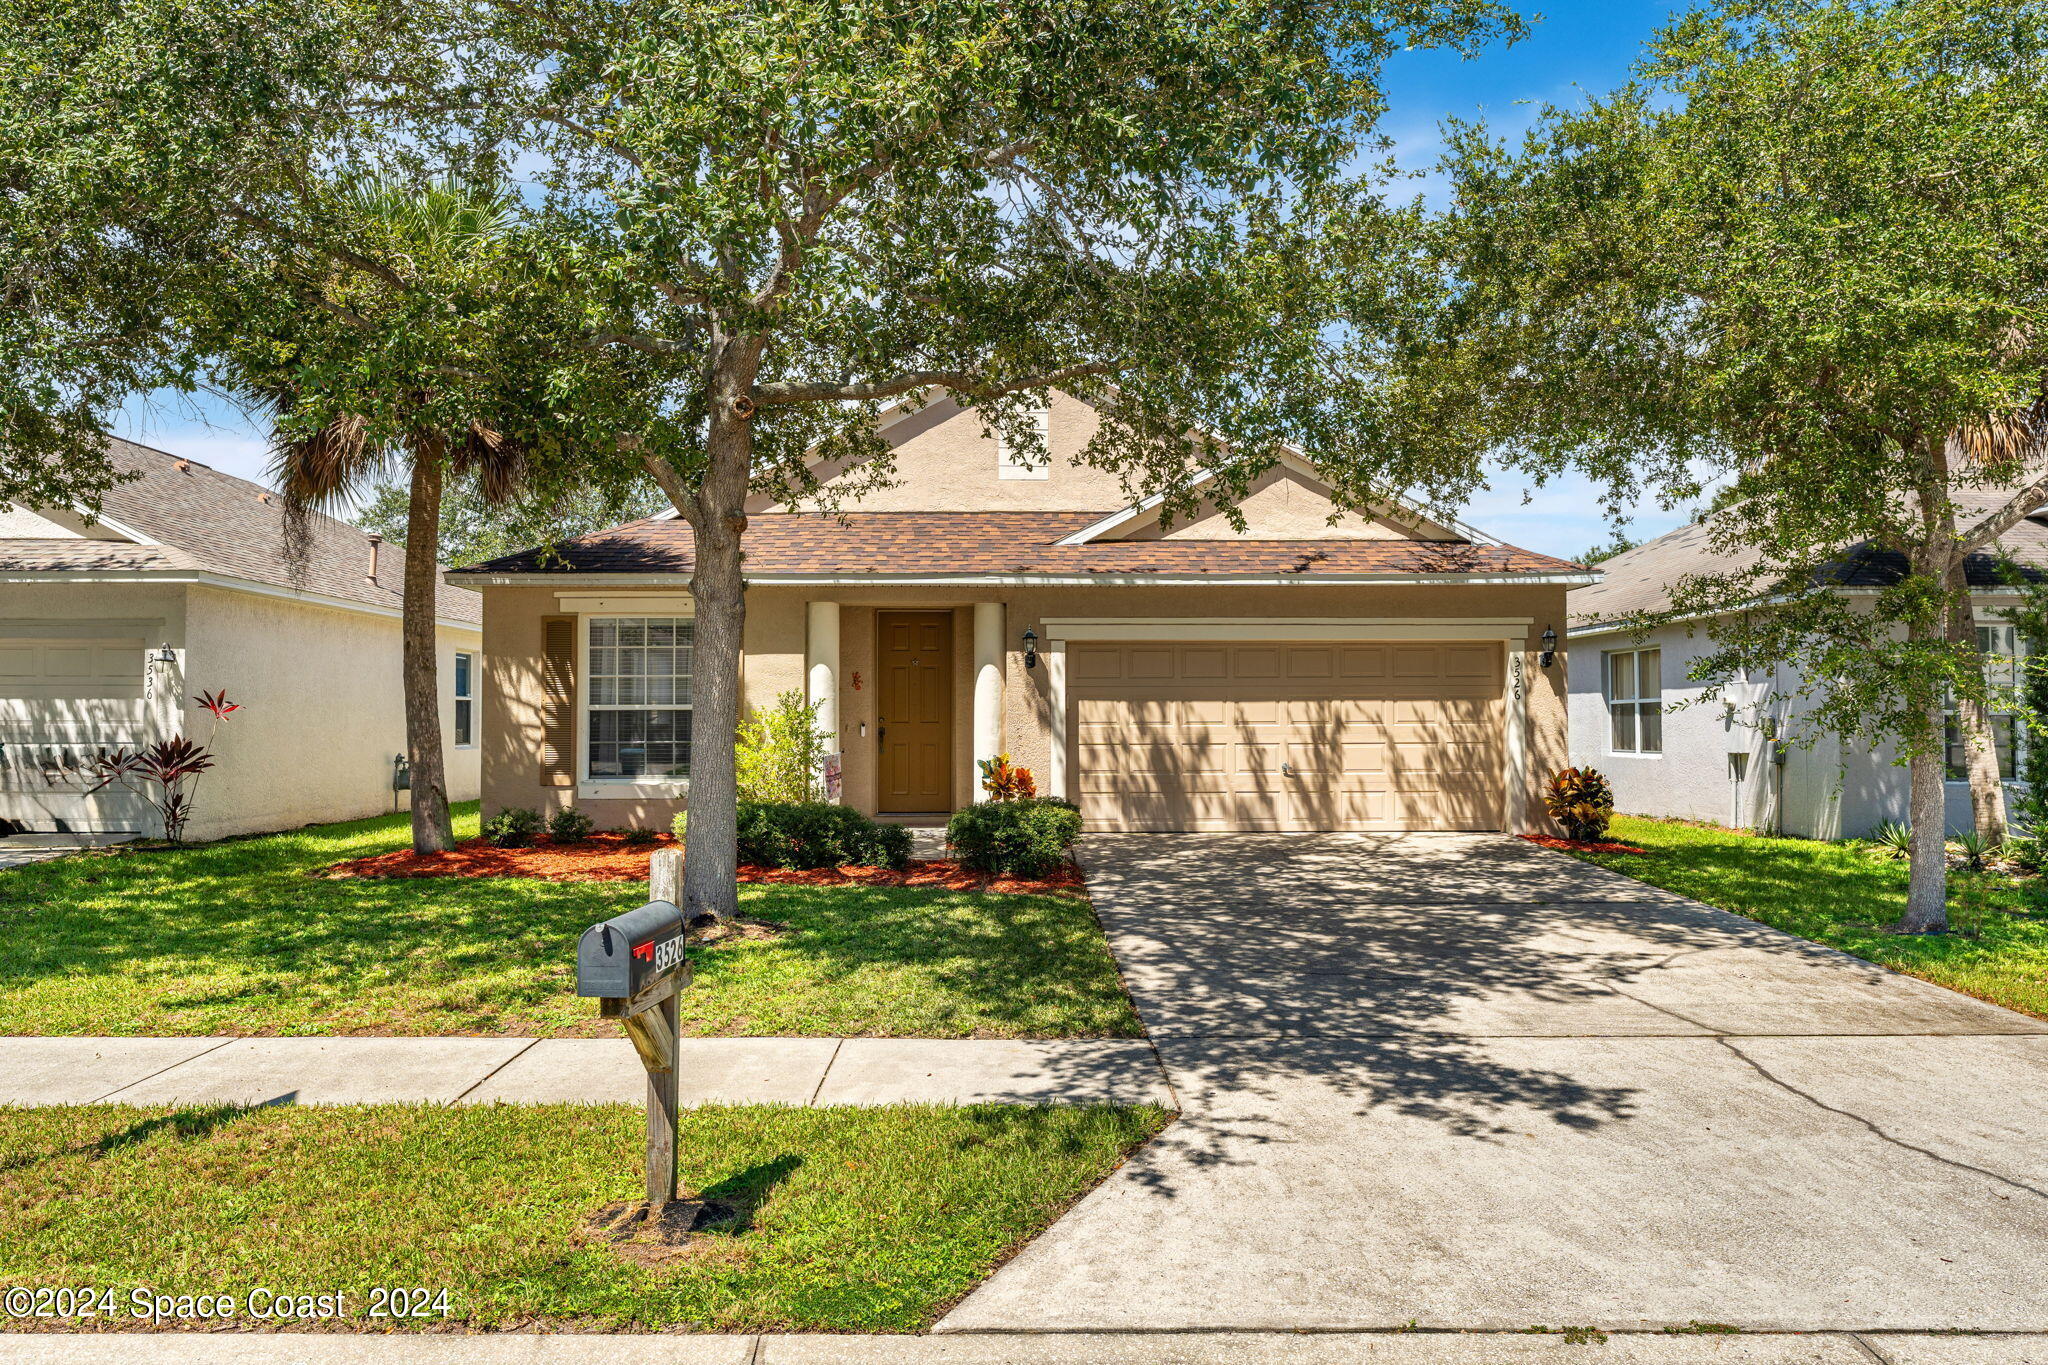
[609, 858]
[1578, 846]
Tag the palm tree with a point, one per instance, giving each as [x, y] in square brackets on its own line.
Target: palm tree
[445, 227]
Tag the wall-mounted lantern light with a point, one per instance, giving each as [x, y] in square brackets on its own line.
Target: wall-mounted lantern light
[164, 655]
[1030, 648]
[1549, 646]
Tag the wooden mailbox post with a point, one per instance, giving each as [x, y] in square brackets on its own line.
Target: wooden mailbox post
[635, 965]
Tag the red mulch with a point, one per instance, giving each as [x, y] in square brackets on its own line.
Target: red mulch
[1595, 846]
[609, 858]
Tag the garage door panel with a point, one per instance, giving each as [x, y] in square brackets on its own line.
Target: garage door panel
[1289, 735]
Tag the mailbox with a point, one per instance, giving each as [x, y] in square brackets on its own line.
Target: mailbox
[632, 953]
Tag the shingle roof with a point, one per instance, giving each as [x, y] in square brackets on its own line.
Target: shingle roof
[1643, 579]
[999, 543]
[210, 522]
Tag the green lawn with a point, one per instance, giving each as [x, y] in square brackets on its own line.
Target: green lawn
[847, 1219]
[1838, 894]
[233, 937]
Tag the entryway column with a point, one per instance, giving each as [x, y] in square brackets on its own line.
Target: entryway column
[988, 684]
[822, 687]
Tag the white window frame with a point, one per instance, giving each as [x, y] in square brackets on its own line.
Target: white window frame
[1008, 463]
[645, 784]
[463, 696]
[2003, 647]
[1636, 699]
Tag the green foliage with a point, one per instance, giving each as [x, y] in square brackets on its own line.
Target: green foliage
[474, 528]
[680, 826]
[568, 825]
[1027, 837]
[1892, 840]
[512, 827]
[781, 753]
[811, 834]
[1719, 274]
[1582, 801]
[1974, 847]
[639, 836]
[1621, 544]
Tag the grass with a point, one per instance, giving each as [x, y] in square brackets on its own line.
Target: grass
[869, 1220]
[234, 938]
[1841, 895]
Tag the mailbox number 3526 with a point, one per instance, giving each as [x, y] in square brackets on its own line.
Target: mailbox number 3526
[668, 954]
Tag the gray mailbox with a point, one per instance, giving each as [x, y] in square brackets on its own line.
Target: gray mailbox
[634, 964]
[629, 954]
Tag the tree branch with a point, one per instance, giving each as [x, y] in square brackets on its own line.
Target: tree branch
[957, 381]
[339, 253]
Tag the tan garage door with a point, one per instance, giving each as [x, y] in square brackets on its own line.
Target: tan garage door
[1287, 736]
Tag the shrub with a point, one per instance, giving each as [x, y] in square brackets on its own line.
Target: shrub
[817, 834]
[1581, 801]
[1028, 837]
[780, 753]
[570, 826]
[1892, 839]
[637, 836]
[512, 827]
[680, 826]
[1004, 781]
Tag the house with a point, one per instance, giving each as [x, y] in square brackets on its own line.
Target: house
[1745, 758]
[1325, 669]
[109, 628]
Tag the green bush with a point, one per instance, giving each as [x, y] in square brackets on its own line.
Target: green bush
[637, 836]
[512, 827]
[1026, 838]
[780, 755]
[680, 826]
[817, 834]
[569, 826]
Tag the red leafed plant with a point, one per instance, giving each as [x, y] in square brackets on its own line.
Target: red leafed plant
[165, 772]
[1005, 781]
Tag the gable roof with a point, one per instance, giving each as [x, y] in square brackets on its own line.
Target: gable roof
[1003, 545]
[180, 516]
[1644, 579]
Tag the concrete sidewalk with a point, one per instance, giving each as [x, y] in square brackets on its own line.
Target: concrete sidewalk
[796, 1071]
[1139, 1348]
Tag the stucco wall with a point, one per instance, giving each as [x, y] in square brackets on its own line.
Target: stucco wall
[1281, 504]
[323, 716]
[775, 661]
[1824, 789]
[945, 461]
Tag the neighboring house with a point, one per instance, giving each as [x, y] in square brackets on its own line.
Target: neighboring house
[1322, 670]
[109, 628]
[1746, 758]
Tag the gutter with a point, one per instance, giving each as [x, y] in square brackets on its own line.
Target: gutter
[1068, 580]
[226, 583]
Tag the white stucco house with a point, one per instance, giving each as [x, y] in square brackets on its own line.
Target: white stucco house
[1745, 759]
[110, 627]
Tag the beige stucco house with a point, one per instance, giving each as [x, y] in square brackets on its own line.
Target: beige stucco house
[109, 627]
[1323, 669]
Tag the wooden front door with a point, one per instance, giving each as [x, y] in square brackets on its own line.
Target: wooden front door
[914, 709]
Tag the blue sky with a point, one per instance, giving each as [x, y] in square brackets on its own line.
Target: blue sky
[1573, 47]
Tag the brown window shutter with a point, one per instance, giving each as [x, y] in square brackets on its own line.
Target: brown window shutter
[558, 701]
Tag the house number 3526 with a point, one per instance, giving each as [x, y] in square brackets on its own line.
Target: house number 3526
[1515, 676]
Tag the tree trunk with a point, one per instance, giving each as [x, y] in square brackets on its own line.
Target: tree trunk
[432, 831]
[1973, 722]
[718, 520]
[1927, 882]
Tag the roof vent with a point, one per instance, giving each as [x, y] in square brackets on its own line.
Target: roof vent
[375, 541]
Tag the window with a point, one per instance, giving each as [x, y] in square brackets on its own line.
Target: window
[1014, 462]
[637, 694]
[2000, 646]
[1635, 701]
[465, 700]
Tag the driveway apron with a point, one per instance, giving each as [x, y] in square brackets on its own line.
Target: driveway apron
[1458, 1081]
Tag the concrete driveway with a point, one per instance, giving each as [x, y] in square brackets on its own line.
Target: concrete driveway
[1463, 1082]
